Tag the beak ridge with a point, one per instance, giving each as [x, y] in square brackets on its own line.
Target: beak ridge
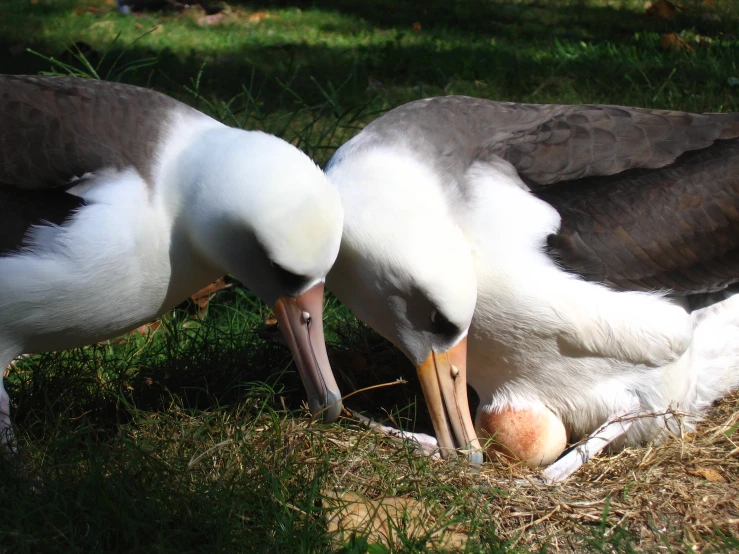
[444, 381]
[301, 321]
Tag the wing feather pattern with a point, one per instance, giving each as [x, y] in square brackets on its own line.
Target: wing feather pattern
[675, 228]
[56, 129]
[53, 129]
[649, 199]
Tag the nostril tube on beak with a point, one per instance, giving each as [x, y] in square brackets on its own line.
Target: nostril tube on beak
[306, 318]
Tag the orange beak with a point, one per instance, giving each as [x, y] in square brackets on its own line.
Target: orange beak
[301, 321]
[444, 382]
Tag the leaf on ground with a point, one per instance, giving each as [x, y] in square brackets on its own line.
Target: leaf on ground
[210, 290]
[417, 27]
[105, 26]
[270, 330]
[374, 84]
[206, 294]
[80, 10]
[211, 19]
[707, 473]
[672, 41]
[149, 327]
[381, 520]
[662, 9]
[258, 17]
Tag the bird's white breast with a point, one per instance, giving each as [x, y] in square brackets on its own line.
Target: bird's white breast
[105, 271]
[542, 336]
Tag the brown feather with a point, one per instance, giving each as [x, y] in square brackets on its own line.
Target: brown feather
[649, 198]
[56, 129]
[53, 129]
[674, 228]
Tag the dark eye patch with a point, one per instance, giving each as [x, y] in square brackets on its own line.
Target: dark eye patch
[288, 280]
[442, 326]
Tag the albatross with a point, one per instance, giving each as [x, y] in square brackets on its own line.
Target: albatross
[575, 264]
[110, 192]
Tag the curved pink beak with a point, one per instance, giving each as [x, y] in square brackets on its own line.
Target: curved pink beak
[301, 321]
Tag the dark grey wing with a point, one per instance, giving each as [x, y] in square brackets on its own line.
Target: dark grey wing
[675, 228]
[56, 129]
[548, 144]
[53, 129]
[649, 199]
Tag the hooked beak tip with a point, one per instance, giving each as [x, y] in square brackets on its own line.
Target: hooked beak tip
[327, 410]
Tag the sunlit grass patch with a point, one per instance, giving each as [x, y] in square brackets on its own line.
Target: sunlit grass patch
[547, 51]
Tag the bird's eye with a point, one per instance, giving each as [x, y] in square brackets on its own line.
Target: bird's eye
[442, 325]
[288, 279]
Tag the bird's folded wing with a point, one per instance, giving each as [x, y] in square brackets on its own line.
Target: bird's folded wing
[649, 199]
[675, 228]
[549, 144]
[54, 129]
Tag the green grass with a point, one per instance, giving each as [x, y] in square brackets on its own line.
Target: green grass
[196, 439]
[550, 51]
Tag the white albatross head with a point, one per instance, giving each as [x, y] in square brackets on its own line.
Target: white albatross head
[406, 270]
[260, 209]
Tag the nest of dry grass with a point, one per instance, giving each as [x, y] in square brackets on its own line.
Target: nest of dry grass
[668, 495]
[678, 495]
[346, 483]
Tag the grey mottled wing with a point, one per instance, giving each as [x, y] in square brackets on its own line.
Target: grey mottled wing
[549, 144]
[54, 129]
[546, 143]
[675, 228]
[649, 199]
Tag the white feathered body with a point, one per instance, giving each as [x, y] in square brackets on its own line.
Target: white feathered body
[544, 338]
[136, 249]
[105, 271]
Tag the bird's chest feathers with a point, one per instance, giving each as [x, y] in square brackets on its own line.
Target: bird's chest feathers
[513, 332]
[103, 272]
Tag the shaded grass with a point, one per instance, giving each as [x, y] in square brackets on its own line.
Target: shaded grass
[196, 439]
[548, 51]
[214, 462]
[169, 443]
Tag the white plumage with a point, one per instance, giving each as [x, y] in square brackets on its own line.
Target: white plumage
[152, 225]
[443, 215]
